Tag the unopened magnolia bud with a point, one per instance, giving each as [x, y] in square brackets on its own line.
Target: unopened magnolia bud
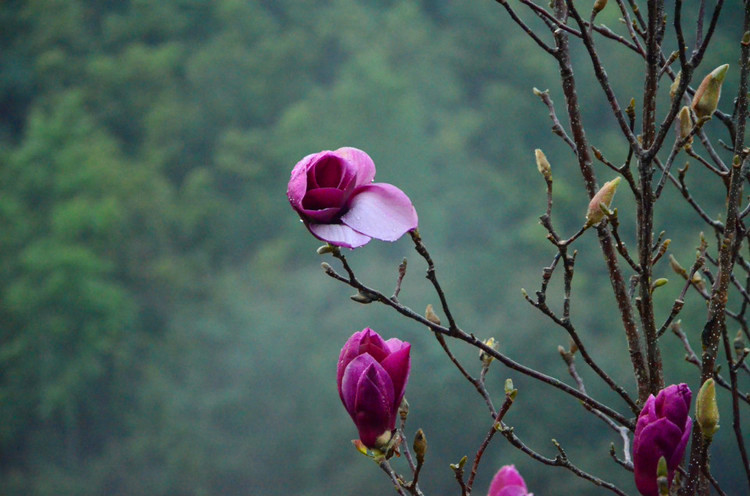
[322, 250]
[677, 268]
[604, 196]
[599, 5]
[659, 283]
[403, 409]
[485, 357]
[430, 315]
[675, 84]
[706, 409]
[706, 97]
[361, 297]
[542, 164]
[420, 446]
[739, 343]
[685, 123]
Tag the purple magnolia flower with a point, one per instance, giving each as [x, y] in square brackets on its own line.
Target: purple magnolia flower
[508, 482]
[333, 193]
[371, 376]
[663, 429]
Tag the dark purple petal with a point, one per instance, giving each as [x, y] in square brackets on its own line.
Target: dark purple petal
[350, 380]
[339, 235]
[657, 439]
[679, 451]
[398, 365]
[507, 482]
[327, 171]
[380, 211]
[673, 402]
[372, 344]
[647, 415]
[361, 163]
[374, 404]
[349, 352]
[318, 199]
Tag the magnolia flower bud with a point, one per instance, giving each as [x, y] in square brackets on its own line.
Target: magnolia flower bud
[542, 164]
[706, 97]
[430, 314]
[739, 343]
[675, 85]
[676, 267]
[685, 124]
[706, 409]
[604, 196]
[420, 446]
[599, 5]
[663, 429]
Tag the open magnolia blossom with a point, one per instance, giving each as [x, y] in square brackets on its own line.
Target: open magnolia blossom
[508, 482]
[663, 429]
[372, 375]
[333, 193]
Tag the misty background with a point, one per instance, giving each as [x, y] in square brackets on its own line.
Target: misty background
[165, 327]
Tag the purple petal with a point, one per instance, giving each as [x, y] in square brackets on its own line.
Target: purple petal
[679, 451]
[350, 379]
[673, 402]
[398, 365]
[349, 352]
[380, 211]
[318, 199]
[657, 439]
[339, 235]
[374, 404]
[361, 163]
[647, 415]
[505, 477]
[329, 171]
[373, 345]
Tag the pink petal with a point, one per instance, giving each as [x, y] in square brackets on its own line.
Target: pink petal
[361, 162]
[380, 211]
[507, 479]
[297, 186]
[339, 235]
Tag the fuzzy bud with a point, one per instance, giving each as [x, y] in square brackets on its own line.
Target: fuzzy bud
[430, 315]
[706, 97]
[677, 268]
[599, 5]
[675, 85]
[706, 409]
[420, 446]
[604, 196]
[542, 165]
[739, 343]
[685, 124]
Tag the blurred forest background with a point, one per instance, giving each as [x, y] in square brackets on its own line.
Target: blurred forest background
[165, 328]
